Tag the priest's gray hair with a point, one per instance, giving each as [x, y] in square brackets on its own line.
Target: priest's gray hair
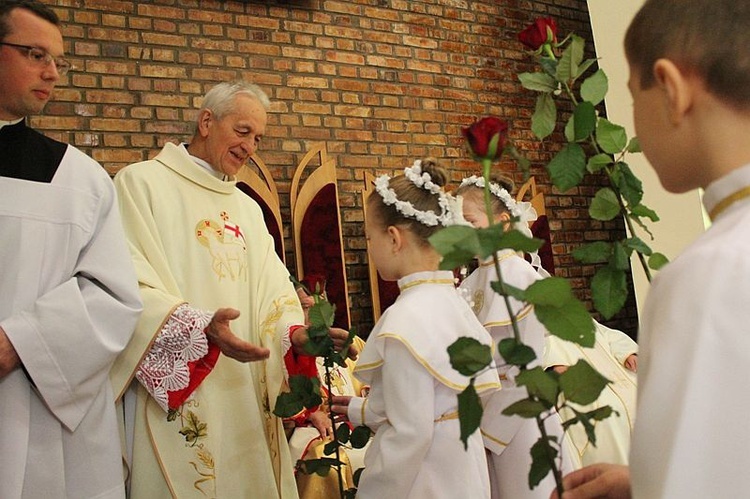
[220, 99]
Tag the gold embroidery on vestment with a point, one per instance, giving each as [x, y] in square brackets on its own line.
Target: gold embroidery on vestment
[225, 242]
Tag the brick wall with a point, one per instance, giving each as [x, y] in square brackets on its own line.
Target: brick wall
[382, 82]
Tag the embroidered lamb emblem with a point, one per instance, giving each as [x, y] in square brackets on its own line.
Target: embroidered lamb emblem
[225, 242]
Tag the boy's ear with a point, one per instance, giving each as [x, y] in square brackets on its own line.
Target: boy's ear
[677, 87]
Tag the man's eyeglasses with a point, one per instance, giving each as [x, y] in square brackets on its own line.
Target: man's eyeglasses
[41, 57]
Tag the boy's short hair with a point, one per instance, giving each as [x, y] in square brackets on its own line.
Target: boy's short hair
[710, 38]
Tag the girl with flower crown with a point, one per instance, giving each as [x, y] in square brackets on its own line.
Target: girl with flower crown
[412, 404]
[508, 439]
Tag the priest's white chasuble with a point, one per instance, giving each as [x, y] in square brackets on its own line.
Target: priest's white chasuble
[198, 240]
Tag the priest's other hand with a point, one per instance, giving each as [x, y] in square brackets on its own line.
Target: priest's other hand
[338, 335]
[219, 332]
[9, 359]
[606, 481]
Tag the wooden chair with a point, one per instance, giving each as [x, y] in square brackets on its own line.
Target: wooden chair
[256, 181]
[540, 227]
[316, 229]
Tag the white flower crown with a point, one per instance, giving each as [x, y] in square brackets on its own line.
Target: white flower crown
[450, 207]
[523, 211]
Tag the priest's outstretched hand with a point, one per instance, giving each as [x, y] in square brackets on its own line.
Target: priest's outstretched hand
[219, 332]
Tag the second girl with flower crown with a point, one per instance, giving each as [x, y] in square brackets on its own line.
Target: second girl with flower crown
[509, 439]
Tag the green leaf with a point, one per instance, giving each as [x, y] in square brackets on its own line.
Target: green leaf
[318, 345]
[560, 312]
[609, 291]
[458, 244]
[634, 145]
[356, 475]
[469, 412]
[320, 467]
[643, 211]
[567, 167]
[494, 238]
[569, 321]
[570, 129]
[322, 314]
[525, 408]
[620, 258]
[584, 119]
[303, 393]
[515, 353]
[360, 436]
[636, 244]
[540, 384]
[549, 291]
[342, 433]
[584, 66]
[548, 65]
[594, 88]
[605, 205]
[572, 56]
[610, 137]
[468, 356]
[542, 459]
[596, 252]
[539, 82]
[584, 421]
[657, 260]
[582, 384]
[598, 162]
[629, 185]
[329, 449]
[545, 116]
[505, 289]
[287, 405]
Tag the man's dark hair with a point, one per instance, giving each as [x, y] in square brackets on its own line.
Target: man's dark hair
[33, 6]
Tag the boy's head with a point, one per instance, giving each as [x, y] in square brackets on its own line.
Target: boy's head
[709, 38]
[690, 82]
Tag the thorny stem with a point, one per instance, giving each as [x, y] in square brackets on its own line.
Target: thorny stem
[623, 208]
[550, 458]
[335, 438]
[486, 166]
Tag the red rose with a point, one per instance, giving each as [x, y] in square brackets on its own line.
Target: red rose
[487, 137]
[543, 30]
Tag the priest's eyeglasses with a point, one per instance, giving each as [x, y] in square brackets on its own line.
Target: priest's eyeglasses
[41, 57]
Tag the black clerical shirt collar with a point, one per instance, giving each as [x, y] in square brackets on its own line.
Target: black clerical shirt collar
[10, 123]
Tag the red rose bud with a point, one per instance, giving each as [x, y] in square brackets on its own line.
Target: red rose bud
[487, 137]
[542, 31]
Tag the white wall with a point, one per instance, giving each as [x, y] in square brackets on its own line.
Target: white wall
[681, 215]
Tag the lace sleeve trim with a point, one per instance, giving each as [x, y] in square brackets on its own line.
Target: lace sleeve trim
[181, 341]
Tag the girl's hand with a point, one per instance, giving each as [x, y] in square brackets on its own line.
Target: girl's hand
[632, 362]
[322, 423]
